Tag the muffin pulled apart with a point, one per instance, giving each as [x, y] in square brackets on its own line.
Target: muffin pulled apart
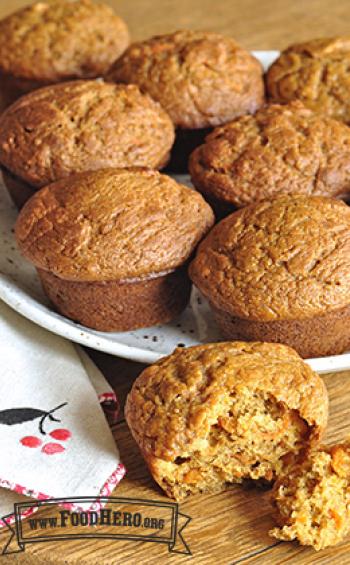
[216, 414]
[312, 498]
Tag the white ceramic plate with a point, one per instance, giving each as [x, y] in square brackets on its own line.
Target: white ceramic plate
[20, 289]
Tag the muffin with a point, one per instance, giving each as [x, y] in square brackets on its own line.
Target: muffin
[201, 79]
[316, 72]
[312, 498]
[78, 126]
[281, 149]
[279, 271]
[111, 246]
[220, 413]
[45, 43]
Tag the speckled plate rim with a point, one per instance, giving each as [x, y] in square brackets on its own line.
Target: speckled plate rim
[50, 320]
[40, 314]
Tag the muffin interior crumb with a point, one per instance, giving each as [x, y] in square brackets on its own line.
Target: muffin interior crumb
[313, 500]
[249, 441]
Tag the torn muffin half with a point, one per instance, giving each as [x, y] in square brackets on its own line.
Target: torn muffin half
[219, 413]
[312, 498]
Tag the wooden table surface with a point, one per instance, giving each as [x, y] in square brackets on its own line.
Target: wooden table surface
[230, 527]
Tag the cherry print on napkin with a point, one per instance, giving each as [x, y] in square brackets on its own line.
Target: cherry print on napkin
[52, 448]
[61, 434]
[13, 416]
[31, 441]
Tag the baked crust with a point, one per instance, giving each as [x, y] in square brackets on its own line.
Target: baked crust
[312, 498]
[112, 224]
[280, 149]
[285, 259]
[117, 307]
[326, 334]
[315, 72]
[180, 408]
[202, 79]
[51, 42]
[77, 126]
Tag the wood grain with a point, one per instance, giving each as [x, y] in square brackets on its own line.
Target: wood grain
[268, 24]
[230, 527]
[227, 528]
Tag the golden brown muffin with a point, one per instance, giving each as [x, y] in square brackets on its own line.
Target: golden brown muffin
[315, 72]
[45, 43]
[77, 126]
[281, 149]
[280, 271]
[201, 79]
[312, 498]
[220, 413]
[111, 246]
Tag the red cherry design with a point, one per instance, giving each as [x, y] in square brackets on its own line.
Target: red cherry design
[61, 434]
[30, 441]
[52, 448]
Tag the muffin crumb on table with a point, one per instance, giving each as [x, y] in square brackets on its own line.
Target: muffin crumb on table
[312, 498]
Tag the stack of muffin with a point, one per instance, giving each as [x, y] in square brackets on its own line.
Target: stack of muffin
[89, 121]
[112, 238]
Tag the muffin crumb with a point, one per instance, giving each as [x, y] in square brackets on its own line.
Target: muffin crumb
[312, 498]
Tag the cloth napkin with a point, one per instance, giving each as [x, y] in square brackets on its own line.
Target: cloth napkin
[54, 437]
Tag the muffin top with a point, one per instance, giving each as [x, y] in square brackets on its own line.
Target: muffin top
[76, 126]
[281, 149]
[201, 79]
[174, 403]
[112, 224]
[61, 40]
[316, 72]
[288, 258]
